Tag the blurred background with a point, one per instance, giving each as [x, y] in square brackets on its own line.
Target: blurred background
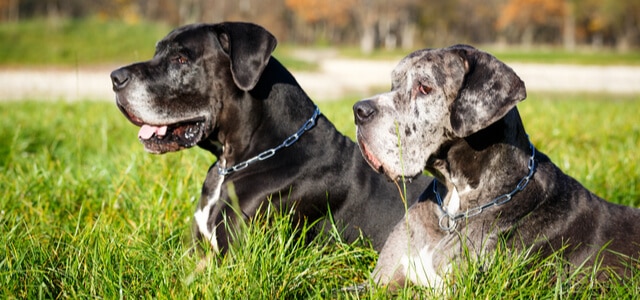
[373, 24]
[319, 36]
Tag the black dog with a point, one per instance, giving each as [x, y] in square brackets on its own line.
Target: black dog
[217, 86]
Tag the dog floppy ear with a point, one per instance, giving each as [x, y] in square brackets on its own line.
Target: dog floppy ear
[489, 91]
[249, 47]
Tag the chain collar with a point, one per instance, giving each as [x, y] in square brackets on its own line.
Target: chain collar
[271, 152]
[448, 221]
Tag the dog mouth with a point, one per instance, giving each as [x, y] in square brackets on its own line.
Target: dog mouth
[371, 159]
[379, 167]
[171, 137]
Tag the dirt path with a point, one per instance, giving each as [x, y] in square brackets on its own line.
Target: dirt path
[336, 78]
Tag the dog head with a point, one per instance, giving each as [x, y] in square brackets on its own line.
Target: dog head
[437, 95]
[176, 97]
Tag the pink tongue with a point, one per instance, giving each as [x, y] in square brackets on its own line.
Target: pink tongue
[161, 131]
[147, 131]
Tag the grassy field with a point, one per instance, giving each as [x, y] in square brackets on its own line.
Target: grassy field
[86, 213]
[86, 42]
[540, 55]
[561, 56]
[77, 42]
[74, 43]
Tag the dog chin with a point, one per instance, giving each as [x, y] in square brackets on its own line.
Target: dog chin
[154, 148]
[406, 172]
[389, 171]
[398, 176]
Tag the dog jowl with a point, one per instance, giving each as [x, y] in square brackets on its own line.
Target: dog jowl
[167, 96]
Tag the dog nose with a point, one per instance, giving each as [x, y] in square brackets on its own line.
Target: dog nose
[364, 111]
[120, 79]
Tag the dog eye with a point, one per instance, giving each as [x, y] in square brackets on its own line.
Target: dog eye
[425, 90]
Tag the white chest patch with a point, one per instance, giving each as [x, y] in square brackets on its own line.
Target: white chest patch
[419, 268]
[454, 202]
[201, 216]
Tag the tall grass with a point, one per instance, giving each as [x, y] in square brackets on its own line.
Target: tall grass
[85, 213]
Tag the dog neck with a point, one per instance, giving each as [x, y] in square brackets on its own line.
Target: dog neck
[485, 165]
[255, 122]
[267, 154]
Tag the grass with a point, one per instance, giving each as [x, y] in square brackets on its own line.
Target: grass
[85, 42]
[82, 42]
[557, 55]
[69, 42]
[85, 213]
[540, 55]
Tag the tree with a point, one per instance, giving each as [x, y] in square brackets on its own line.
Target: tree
[325, 17]
[445, 22]
[314, 11]
[9, 10]
[622, 17]
[533, 20]
[386, 23]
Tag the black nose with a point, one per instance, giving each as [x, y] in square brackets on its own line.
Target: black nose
[120, 78]
[364, 111]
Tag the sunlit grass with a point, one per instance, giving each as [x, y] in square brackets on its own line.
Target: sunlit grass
[67, 42]
[561, 56]
[86, 213]
[511, 54]
[80, 43]
[85, 42]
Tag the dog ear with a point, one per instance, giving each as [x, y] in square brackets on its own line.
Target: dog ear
[249, 47]
[489, 91]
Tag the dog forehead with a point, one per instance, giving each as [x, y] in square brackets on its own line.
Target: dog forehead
[401, 73]
[188, 36]
[405, 65]
[428, 62]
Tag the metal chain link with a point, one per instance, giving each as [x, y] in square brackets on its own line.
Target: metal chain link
[271, 152]
[448, 221]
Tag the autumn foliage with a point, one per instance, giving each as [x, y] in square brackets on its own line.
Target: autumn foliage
[378, 23]
[313, 11]
[524, 13]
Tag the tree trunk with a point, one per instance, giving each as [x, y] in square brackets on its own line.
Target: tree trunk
[368, 40]
[13, 11]
[626, 37]
[569, 29]
[408, 34]
[527, 36]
